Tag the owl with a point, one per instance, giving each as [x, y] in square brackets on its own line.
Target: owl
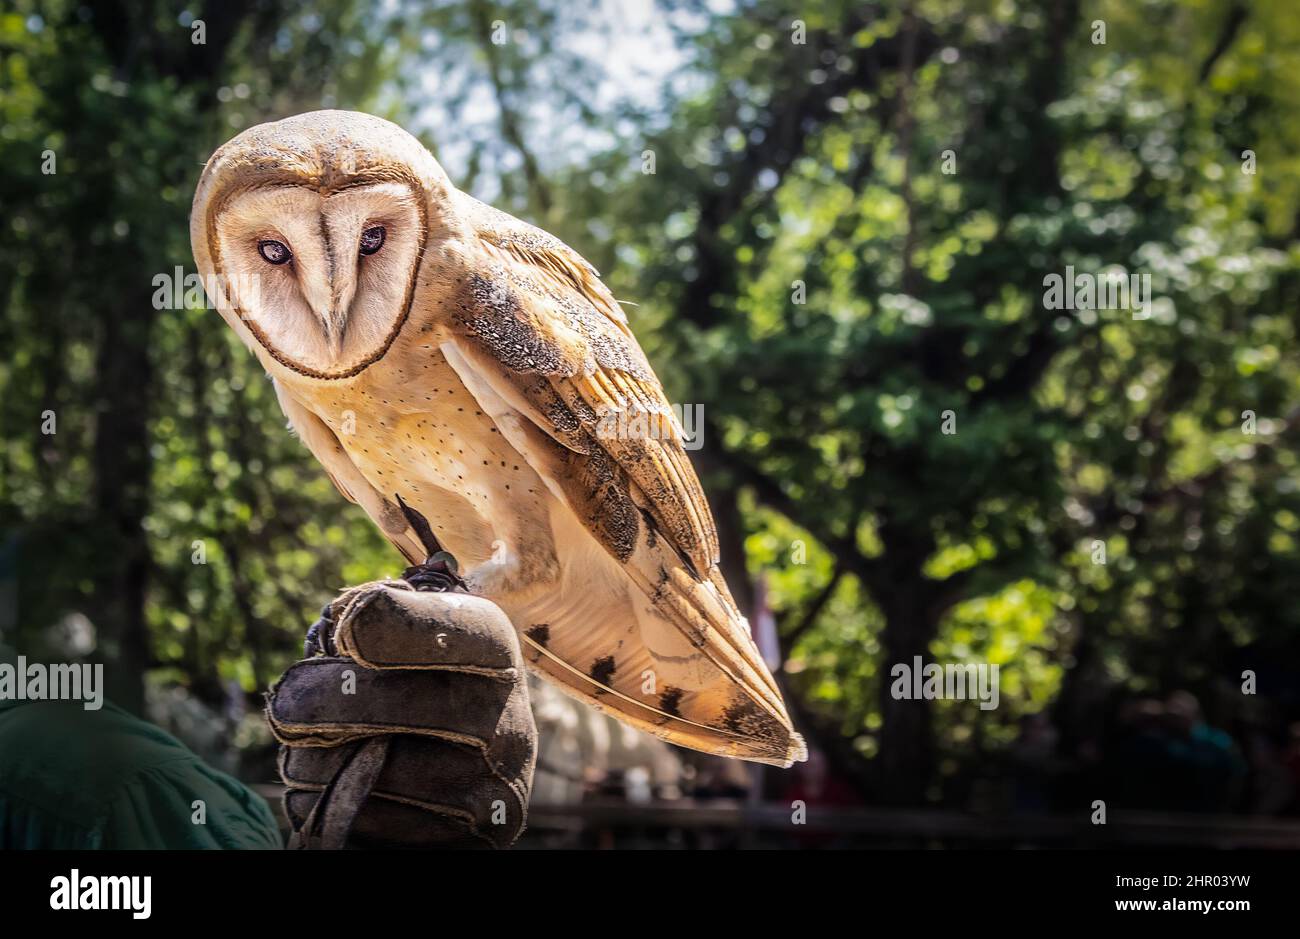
[457, 370]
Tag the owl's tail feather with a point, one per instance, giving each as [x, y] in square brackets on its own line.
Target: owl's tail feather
[672, 728]
[751, 705]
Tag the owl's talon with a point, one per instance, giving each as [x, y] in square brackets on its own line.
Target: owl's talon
[319, 635]
[437, 574]
[439, 571]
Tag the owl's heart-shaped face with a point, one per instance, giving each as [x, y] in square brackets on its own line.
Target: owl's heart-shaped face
[322, 279]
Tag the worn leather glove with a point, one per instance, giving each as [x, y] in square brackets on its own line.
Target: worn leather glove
[407, 725]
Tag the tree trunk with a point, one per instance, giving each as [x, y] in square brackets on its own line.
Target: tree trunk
[123, 379]
[906, 755]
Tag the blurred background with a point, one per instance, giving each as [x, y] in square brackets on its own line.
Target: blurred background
[836, 219]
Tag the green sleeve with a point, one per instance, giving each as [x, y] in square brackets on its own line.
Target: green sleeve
[71, 778]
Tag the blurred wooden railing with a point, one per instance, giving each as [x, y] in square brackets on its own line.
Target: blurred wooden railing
[919, 827]
[866, 827]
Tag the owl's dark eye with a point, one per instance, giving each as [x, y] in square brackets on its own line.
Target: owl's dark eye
[273, 252]
[372, 239]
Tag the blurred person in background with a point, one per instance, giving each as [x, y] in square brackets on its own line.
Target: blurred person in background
[1204, 760]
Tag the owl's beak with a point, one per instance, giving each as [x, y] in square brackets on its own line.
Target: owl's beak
[343, 287]
[335, 328]
[330, 305]
[333, 318]
[333, 340]
[336, 318]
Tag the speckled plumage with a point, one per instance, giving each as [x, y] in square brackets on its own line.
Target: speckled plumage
[473, 382]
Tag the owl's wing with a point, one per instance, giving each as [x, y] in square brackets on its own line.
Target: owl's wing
[596, 367]
[535, 329]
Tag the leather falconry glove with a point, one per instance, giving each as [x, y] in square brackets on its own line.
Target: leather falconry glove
[408, 724]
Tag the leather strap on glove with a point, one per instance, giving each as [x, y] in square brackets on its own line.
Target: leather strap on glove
[407, 725]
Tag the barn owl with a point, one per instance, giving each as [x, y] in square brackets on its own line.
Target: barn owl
[448, 363]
